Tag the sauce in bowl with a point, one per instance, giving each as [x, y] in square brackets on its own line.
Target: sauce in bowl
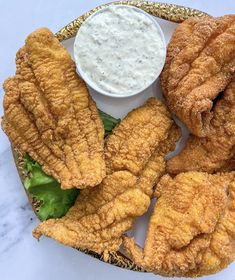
[120, 50]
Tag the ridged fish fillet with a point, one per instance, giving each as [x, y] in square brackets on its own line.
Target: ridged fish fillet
[57, 122]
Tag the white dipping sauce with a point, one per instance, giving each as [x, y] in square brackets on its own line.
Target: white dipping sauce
[119, 50]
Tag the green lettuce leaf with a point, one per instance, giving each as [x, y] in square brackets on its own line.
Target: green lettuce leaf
[52, 201]
[109, 122]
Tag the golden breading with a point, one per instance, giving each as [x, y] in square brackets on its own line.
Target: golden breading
[101, 215]
[97, 223]
[55, 102]
[200, 64]
[216, 151]
[191, 231]
[32, 98]
[23, 133]
[137, 136]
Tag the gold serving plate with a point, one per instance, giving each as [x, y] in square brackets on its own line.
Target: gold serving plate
[171, 12]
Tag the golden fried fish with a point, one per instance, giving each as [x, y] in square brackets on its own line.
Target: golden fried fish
[135, 158]
[49, 114]
[216, 151]
[200, 63]
[191, 231]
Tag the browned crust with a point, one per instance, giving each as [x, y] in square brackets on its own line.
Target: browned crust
[200, 64]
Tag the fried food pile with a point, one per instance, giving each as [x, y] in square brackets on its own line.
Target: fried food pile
[192, 228]
[191, 231]
[134, 155]
[49, 114]
[200, 64]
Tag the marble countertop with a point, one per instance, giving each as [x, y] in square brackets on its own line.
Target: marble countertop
[21, 256]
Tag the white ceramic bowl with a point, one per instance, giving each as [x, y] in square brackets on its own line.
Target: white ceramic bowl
[92, 84]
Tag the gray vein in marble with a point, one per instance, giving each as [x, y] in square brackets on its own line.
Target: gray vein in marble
[16, 214]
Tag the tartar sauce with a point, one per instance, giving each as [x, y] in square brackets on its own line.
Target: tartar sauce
[119, 50]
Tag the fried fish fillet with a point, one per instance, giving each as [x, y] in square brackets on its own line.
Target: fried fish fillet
[200, 63]
[192, 229]
[49, 114]
[135, 158]
[216, 151]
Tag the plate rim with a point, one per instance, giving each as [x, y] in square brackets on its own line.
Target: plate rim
[171, 12]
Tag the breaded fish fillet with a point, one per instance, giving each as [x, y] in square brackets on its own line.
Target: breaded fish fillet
[216, 151]
[132, 143]
[51, 99]
[200, 63]
[135, 158]
[191, 231]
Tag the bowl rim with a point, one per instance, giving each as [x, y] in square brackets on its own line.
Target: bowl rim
[91, 84]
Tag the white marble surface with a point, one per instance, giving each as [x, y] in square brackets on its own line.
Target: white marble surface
[21, 256]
